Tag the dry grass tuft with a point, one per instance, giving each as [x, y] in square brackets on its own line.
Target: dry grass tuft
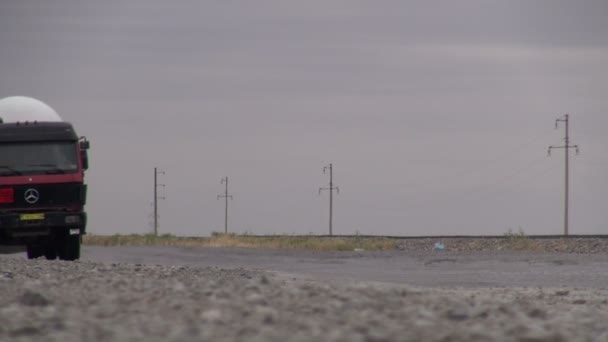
[518, 241]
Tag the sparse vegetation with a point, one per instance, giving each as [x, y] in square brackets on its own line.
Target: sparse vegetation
[510, 241]
[518, 241]
[246, 241]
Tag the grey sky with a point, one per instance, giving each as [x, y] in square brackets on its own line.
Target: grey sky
[436, 114]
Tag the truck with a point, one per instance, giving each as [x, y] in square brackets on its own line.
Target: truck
[42, 188]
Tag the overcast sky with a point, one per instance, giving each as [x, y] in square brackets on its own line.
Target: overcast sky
[436, 115]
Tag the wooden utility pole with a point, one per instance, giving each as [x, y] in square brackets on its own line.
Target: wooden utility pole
[225, 196]
[331, 189]
[156, 198]
[566, 147]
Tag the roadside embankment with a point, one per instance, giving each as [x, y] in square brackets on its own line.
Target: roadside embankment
[512, 242]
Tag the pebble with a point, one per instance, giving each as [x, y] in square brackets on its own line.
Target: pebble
[30, 298]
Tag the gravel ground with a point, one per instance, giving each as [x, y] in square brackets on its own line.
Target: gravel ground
[516, 243]
[89, 301]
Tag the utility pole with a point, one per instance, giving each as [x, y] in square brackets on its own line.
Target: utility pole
[225, 196]
[331, 194]
[566, 147]
[156, 198]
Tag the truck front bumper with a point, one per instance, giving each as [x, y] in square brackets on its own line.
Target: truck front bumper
[22, 225]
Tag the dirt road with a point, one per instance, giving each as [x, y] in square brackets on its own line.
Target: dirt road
[428, 269]
[188, 294]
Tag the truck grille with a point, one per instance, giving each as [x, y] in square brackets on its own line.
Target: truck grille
[46, 196]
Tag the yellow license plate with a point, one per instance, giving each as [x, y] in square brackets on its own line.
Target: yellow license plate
[32, 217]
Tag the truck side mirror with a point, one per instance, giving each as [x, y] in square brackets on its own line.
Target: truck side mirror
[84, 156]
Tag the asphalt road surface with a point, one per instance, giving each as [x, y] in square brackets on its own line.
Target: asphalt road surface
[428, 269]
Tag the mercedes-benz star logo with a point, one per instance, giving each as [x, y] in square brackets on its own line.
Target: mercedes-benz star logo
[31, 196]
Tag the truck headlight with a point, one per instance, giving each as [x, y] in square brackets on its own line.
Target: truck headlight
[72, 219]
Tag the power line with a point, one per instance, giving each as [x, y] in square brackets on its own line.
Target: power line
[508, 177]
[485, 190]
[566, 146]
[156, 198]
[225, 196]
[493, 163]
[331, 189]
[514, 185]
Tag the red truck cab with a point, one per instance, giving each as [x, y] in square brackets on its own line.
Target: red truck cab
[42, 189]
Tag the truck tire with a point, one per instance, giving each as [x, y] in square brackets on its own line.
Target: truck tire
[46, 249]
[68, 247]
[50, 252]
[34, 251]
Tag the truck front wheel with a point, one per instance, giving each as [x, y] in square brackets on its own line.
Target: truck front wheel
[50, 253]
[46, 249]
[34, 251]
[68, 247]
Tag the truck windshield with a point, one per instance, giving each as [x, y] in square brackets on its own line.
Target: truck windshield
[38, 158]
